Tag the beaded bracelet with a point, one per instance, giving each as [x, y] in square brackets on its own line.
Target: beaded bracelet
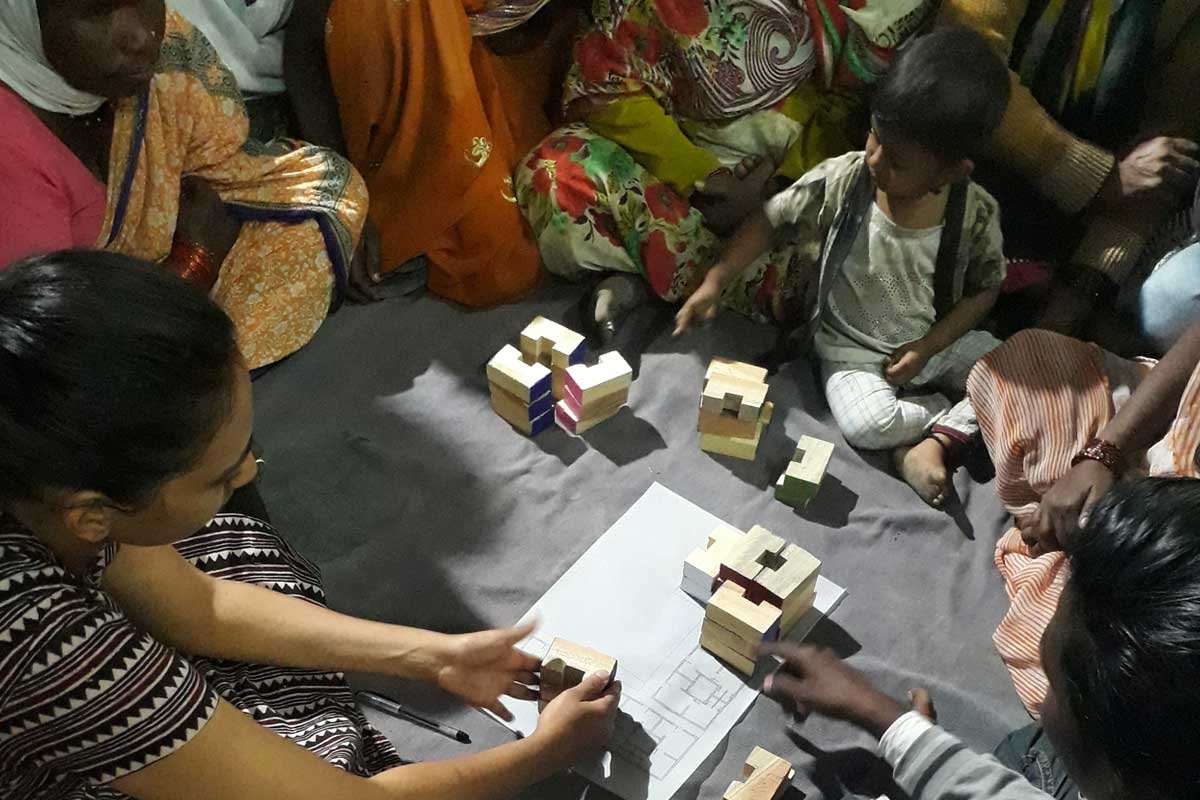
[1105, 453]
[194, 263]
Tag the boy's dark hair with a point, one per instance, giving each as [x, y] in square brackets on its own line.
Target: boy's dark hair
[1131, 651]
[946, 92]
[114, 375]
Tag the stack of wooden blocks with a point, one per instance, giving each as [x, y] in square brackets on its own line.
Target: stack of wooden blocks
[525, 383]
[566, 664]
[733, 409]
[766, 776]
[755, 587]
[520, 391]
[799, 483]
[593, 394]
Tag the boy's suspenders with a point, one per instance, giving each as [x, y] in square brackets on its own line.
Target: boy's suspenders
[946, 267]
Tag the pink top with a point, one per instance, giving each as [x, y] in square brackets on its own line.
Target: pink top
[48, 199]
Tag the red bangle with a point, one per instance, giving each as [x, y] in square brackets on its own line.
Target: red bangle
[1106, 453]
[194, 263]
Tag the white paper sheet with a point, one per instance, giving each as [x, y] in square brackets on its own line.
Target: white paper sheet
[622, 597]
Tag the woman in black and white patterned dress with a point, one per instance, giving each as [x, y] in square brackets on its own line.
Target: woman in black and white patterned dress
[140, 659]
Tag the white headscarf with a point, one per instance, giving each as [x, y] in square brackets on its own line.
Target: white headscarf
[24, 68]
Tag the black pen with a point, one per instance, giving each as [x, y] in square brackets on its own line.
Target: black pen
[392, 708]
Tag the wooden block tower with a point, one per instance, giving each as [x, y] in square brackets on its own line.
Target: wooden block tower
[799, 483]
[733, 409]
[525, 383]
[520, 391]
[758, 586]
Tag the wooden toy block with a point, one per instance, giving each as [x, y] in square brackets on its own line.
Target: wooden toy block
[511, 401]
[568, 420]
[546, 342]
[527, 382]
[521, 416]
[745, 449]
[765, 776]
[702, 566]
[792, 572]
[738, 395]
[752, 622]
[611, 374]
[603, 407]
[797, 607]
[799, 483]
[736, 369]
[774, 571]
[566, 664]
[743, 647]
[726, 424]
[753, 552]
[726, 654]
[760, 759]
[796, 495]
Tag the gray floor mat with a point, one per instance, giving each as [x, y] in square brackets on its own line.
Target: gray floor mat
[386, 465]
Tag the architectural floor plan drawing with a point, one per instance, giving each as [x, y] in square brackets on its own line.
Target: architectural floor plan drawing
[622, 597]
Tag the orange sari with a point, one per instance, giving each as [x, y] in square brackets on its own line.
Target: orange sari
[436, 123]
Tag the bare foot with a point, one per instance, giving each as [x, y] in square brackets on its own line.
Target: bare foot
[923, 467]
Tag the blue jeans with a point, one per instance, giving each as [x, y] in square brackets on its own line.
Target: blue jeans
[1169, 300]
[1030, 753]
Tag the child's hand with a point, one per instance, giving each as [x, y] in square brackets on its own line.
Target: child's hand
[701, 306]
[905, 364]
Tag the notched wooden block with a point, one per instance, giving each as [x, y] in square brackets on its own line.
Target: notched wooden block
[566, 664]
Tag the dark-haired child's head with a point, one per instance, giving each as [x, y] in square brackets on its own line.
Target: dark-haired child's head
[124, 405]
[1123, 651]
[933, 111]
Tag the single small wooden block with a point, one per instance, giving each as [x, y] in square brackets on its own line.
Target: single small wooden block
[728, 393]
[752, 622]
[745, 449]
[795, 494]
[799, 483]
[610, 375]
[760, 758]
[566, 664]
[551, 344]
[735, 369]
[765, 776]
[527, 382]
[726, 654]
[701, 567]
[726, 423]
